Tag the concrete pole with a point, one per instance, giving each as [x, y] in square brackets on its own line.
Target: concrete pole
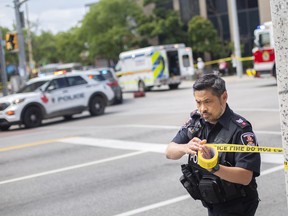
[29, 40]
[236, 37]
[3, 67]
[21, 44]
[279, 11]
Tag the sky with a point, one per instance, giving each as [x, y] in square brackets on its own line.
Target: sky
[50, 15]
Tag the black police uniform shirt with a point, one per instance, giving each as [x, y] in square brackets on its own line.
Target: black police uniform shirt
[243, 135]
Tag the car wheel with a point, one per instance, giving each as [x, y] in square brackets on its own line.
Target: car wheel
[32, 117]
[141, 86]
[118, 99]
[173, 86]
[97, 106]
[5, 127]
[68, 117]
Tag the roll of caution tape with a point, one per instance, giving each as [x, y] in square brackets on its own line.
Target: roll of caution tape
[208, 163]
[215, 148]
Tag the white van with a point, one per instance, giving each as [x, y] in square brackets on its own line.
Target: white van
[144, 68]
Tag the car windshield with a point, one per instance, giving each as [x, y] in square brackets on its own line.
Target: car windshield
[107, 74]
[32, 87]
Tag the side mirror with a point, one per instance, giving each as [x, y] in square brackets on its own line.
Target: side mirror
[50, 88]
[41, 89]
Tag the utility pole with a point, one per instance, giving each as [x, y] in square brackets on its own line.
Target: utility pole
[236, 37]
[3, 67]
[279, 11]
[29, 42]
[21, 44]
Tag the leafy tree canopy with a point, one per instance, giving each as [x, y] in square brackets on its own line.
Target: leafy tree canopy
[110, 27]
[163, 23]
[203, 37]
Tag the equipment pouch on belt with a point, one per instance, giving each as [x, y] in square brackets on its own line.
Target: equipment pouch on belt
[208, 188]
[214, 190]
[190, 181]
[211, 189]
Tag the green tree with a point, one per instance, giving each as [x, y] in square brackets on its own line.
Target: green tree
[163, 23]
[110, 27]
[69, 46]
[45, 48]
[203, 38]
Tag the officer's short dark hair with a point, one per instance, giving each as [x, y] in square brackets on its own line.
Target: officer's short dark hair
[210, 82]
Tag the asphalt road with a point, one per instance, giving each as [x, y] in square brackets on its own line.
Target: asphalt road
[114, 164]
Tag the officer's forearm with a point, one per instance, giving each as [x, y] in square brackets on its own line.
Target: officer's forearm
[235, 174]
[174, 151]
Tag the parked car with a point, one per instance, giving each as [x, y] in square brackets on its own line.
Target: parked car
[110, 79]
[54, 96]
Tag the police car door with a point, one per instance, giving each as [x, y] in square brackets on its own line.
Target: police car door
[186, 62]
[78, 91]
[57, 92]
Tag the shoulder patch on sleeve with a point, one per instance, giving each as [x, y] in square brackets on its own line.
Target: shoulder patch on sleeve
[249, 139]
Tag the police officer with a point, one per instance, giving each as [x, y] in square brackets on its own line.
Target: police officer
[234, 175]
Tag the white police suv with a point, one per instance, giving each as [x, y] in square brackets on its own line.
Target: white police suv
[54, 96]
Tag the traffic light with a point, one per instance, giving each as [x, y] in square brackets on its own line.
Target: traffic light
[11, 41]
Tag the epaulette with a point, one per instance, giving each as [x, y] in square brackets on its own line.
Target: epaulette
[195, 114]
[240, 121]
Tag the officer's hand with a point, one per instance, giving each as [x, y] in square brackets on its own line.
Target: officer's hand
[207, 152]
[194, 145]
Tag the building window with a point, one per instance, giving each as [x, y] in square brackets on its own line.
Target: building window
[215, 7]
[188, 9]
[248, 19]
[246, 4]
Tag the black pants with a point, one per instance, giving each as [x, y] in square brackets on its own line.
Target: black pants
[239, 207]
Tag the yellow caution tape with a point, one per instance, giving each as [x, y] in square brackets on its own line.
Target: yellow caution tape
[247, 58]
[215, 148]
[244, 148]
[286, 165]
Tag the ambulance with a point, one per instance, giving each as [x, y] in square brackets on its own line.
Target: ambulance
[263, 52]
[144, 68]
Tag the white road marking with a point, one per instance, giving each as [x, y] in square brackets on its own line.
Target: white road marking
[116, 144]
[271, 170]
[256, 110]
[168, 127]
[272, 158]
[72, 167]
[268, 132]
[155, 205]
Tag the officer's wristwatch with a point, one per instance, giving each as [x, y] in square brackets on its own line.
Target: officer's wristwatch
[215, 168]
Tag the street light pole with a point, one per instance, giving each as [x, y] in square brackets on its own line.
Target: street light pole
[237, 47]
[29, 41]
[3, 67]
[21, 44]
